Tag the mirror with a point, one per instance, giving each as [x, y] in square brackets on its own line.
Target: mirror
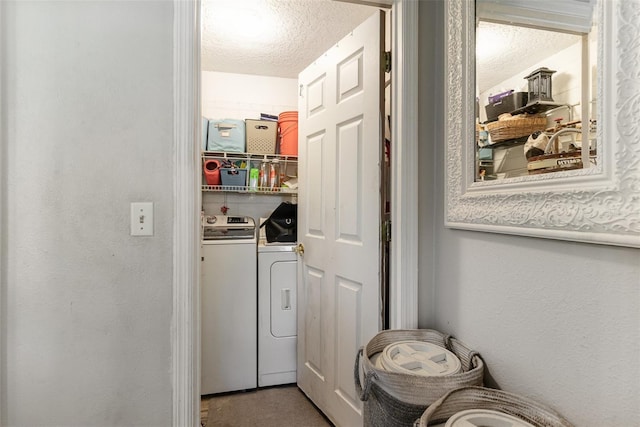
[535, 79]
[598, 203]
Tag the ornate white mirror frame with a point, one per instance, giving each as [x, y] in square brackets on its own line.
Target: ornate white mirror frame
[600, 204]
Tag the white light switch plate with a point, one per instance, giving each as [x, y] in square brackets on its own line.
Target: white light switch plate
[142, 219]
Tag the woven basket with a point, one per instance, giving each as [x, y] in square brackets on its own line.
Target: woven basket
[392, 399]
[485, 398]
[515, 127]
[383, 410]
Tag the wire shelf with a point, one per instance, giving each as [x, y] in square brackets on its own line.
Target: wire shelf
[248, 190]
[245, 156]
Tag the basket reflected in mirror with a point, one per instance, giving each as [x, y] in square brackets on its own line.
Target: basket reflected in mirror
[511, 127]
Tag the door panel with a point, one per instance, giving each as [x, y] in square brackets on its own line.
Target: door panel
[340, 146]
[349, 315]
[348, 185]
[316, 96]
[350, 76]
[313, 322]
[315, 204]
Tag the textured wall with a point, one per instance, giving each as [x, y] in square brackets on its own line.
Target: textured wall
[245, 96]
[88, 125]
[556, 321]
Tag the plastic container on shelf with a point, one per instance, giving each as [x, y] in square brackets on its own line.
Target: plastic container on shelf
[274, 174]
[288, 128]
[226, 135]
[263, 175]
[212, 171]
[261, 136]
[254, 177]
[505, 103]
[233, 177]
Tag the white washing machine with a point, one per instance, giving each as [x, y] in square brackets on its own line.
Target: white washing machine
[277, 325]
[228, 305]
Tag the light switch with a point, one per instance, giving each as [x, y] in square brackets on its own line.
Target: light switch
[142, 219]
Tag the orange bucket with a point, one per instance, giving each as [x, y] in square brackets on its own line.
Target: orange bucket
[288, 126]
[212, 172]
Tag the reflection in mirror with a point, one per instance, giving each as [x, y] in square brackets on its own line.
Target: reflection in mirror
[535, 88]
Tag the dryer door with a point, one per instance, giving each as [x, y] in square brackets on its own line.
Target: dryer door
[283, 298]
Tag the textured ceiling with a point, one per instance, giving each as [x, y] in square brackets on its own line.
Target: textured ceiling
[282, 38]
[512, 49]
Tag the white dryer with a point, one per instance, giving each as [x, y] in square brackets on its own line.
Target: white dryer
[277, 334]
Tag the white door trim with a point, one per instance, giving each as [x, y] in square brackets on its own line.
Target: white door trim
[3, 391]
[185, 326]
[403, 281]
[185, 330]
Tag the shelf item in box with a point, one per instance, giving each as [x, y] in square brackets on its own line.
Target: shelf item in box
[263, 174]
[288, 125]
[511, 127]
[536, 144]
[233, 177]
[274, 174]
[554, 158]
[261, 136]
[226, 135]
[495, 98]
[212, 171]
[290, 184]
[537, 107]
[205, 133]
[485, 153]
[269, 117]
[558, 162]
[505, 104]
[254, 176]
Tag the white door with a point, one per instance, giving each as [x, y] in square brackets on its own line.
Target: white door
[340, 140]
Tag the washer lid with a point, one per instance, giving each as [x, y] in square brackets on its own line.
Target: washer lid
[485, 418]
[221, 227]
[419, 358]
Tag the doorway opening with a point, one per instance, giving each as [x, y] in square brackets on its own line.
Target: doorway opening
[239, 91]
[185, 341]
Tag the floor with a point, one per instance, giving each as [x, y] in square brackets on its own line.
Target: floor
[280, 406]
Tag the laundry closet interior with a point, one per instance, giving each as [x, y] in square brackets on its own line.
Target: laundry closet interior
[234, 260]
[248, 284]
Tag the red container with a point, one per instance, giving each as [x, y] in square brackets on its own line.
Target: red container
[212, 171]
[288, 126]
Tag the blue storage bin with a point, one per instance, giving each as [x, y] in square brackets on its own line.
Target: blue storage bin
[485, 154]
[233, 177]
[226, 135]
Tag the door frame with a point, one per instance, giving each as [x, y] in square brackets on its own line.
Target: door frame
[185, 325]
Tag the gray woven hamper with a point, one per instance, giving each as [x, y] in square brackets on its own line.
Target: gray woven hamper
[394, 399]
[466, 398]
